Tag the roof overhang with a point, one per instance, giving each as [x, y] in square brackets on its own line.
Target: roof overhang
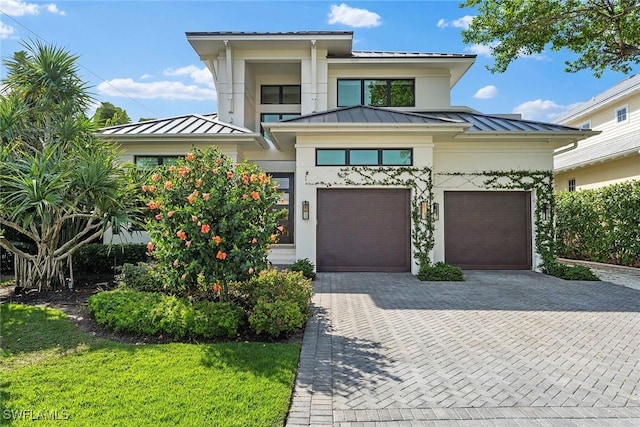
[247, 140]
[555, 139]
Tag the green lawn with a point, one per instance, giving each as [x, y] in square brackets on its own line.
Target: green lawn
[51, 369]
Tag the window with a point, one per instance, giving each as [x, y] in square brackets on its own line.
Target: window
[282, 94]
[147, 162]
[621, 114]
[586, 125]
[376, 92]
[285, 183]
[275, 117]
[364, 157]
[571, 184]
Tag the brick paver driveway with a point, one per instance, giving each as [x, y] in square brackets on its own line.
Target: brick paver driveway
[502, 348]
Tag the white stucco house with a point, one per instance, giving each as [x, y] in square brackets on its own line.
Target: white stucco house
[371, 157]
[611, 156]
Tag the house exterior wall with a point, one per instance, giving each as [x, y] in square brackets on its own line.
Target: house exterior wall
[600, 174]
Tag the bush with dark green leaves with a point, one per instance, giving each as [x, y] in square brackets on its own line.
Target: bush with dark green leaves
[143, 276]
[600, 225]
[148, 313]
[306, 267]
[99, 258]
[440, 272]
[570, 272]
[277, 302]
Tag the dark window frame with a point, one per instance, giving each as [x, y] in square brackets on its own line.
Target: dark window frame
[160, 158]
[280, 95]
[262, 132]
[388, 90]
[290, 239]
[571, 184]
[380, 156]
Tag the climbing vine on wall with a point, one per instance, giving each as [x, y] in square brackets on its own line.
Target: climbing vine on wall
[542, 183]
[419, 180]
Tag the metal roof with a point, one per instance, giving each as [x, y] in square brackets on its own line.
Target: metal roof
[603, 150]
[366, 114]
[187, 125]
[612, 94]
[479, 122]
[258, 33]
[389, 54]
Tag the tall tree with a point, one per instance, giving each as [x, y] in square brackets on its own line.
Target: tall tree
[61, 185]
[605, 34]
[108, 114]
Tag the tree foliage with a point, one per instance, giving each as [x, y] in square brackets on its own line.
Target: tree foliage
[61, 185]
[108, 114]
[605, 34]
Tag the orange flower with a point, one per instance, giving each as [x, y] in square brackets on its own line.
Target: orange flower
[190, 157]
[255, 195]
[221, 255]
[205, 196]
[254, 177]
[191, 197]
[159, 217]
[273, 238]
[254, 240]
[181, 235]
[175, 262]
[183, 171]
[152, 189]
[216, 287]
[188, 243]
[251, 270]
[245, 179]
[229, 175]
[170, 214]
[150, 246]
[245, 197]
[155, 177]
[280, 228]
[184, 276]
[218, 160]
[194, 218]
[263, 178]
[172, 168]
[153, 205]
[216, 170]
[168, 185]
[205, 228]
[144, 188]
[217, 239]
[198, 182]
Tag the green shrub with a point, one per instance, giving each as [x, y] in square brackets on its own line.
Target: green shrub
[99, 258]
[148, 313]
[277, 301]
[306, 267]
[143, 276]
[440, 272]
[570, 272]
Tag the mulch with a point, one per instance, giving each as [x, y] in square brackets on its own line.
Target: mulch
[74, 304]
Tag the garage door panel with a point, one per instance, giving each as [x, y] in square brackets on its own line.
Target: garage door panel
[363, 230]
[488, 230]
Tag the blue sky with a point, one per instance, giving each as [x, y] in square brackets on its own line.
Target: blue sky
[135, 54]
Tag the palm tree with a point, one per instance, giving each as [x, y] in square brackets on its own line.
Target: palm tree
[61, 185]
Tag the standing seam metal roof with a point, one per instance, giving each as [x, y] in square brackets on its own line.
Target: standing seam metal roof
[192, 124]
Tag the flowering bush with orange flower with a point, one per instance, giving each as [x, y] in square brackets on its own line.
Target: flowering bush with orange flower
[213, 221]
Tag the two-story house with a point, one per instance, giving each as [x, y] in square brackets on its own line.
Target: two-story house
[614, 154]
[371, 158]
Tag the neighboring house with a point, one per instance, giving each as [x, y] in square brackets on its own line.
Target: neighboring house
[317, 115]
[613, 155]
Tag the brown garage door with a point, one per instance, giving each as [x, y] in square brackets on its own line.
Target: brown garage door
[363, 230]
[488, 230]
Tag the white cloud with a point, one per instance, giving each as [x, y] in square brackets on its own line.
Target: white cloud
[21, 8]
[6, 31]
[198, 75]
[480, 50]
[146, 76]
[486, 92]
[463, 22]
[353, 17]
[541, 110]
[153, 90]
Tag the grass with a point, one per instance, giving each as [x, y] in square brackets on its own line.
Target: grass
[51, 369]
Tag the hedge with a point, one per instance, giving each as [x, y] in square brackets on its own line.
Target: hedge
[601, 225]
[99, 258]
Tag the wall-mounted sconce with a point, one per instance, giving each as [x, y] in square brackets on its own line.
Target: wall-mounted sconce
[305, 210]
[424, 210]
[545, 212]
[436, 211]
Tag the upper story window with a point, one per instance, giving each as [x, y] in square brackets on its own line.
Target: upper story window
[622, 114]
[280, 94]
[376, 92]
[364, 157]
[148, 162]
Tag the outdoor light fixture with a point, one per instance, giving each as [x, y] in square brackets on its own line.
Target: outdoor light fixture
[305, 210]
[424, 210]
[545, 212]
[436, 211]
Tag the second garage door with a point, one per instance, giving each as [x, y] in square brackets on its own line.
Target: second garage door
[363, 230]
[488, 229]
